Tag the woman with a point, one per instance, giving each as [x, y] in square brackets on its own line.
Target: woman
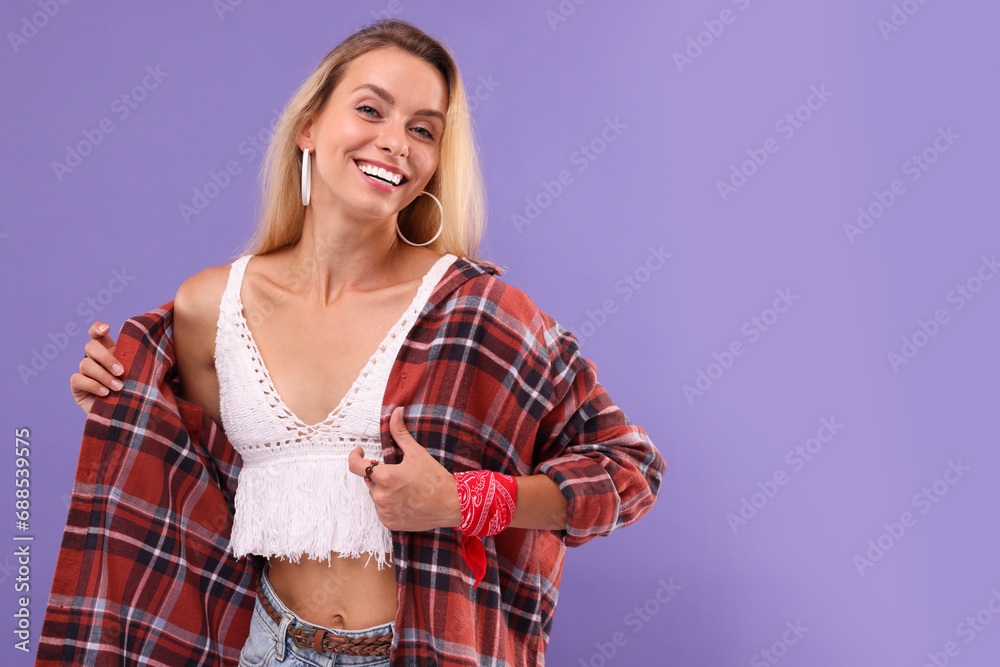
[372, 202]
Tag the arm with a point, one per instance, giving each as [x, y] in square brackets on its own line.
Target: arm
[531, 385]
[606, 468]
[420, 494]
[196, 315]
[540, 504]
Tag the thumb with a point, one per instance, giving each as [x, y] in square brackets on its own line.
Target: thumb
[397, 427]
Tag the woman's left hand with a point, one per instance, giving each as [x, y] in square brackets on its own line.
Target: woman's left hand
[417, 494]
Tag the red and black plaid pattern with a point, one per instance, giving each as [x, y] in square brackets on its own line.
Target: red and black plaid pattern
[488, 382]
[143, 576]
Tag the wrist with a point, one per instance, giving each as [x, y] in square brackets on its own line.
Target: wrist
[453, 516]
[488, 501]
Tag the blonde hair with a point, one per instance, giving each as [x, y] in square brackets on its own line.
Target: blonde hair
[457, 182]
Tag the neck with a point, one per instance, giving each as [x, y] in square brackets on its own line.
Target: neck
[336, 253]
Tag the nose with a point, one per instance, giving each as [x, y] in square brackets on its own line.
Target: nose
[393, 139]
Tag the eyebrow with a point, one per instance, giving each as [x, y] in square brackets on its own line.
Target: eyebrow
[384, 94]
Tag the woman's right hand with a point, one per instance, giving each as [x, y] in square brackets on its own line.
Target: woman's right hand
[98, 369]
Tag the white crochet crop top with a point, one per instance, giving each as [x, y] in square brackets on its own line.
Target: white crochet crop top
[295, 495]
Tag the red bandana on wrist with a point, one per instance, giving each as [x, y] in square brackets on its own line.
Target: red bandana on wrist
[487, 500]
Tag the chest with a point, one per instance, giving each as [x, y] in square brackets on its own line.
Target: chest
[314, 356]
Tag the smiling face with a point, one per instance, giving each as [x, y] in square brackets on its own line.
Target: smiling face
[387, 111]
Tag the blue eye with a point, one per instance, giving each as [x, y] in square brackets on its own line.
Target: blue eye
[372, 112]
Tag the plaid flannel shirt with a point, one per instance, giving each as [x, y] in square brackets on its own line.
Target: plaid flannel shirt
[487, 381]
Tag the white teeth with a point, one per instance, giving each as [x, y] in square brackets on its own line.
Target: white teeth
[372, 170]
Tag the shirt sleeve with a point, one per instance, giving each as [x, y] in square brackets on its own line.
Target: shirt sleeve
[607, 468]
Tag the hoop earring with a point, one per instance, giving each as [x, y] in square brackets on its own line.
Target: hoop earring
[306, 177]
[440, 224]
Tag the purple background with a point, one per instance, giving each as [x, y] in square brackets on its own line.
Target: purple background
[551, 88]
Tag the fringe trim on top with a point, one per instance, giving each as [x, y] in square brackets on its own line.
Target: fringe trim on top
[294, 508]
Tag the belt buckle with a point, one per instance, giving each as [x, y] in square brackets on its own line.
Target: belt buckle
[304, 636]
[299, 638]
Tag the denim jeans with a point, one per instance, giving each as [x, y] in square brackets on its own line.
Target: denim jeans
[269, 643]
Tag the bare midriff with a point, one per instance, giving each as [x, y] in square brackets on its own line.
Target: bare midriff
[344, 594]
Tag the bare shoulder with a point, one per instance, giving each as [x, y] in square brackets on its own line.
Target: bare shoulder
[196, 312]
[201, 294]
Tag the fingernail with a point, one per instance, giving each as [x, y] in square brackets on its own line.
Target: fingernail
[102, 328]
[117, 369]
[103, 391]
[117, 384]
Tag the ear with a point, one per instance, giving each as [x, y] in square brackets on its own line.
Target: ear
[306, 132]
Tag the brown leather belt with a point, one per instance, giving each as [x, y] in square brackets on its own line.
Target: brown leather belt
[324, 641]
